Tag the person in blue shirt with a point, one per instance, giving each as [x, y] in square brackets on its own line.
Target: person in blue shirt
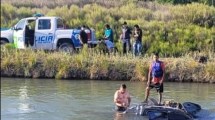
[108, 33]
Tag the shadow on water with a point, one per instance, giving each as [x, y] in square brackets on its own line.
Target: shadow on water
[206, 115]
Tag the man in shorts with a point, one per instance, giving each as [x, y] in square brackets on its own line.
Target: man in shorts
[156, 70]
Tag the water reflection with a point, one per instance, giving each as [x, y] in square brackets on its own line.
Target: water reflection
[129, 116]
[23, 106]
[23, 93]
[119, 116]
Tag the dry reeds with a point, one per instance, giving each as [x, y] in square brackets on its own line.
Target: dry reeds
[85, 65]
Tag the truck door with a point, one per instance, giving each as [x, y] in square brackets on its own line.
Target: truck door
[75, 38]
[19, 34]
[44, 34]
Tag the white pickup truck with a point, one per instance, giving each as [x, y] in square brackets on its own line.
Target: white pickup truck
[45, 33]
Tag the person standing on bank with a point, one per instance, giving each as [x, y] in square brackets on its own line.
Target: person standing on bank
[83, 35]
[108, 33]
[137, 40]
[125, 37]
[122, 98]
[157, 70]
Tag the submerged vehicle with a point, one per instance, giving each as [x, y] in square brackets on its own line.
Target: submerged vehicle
[170, 110]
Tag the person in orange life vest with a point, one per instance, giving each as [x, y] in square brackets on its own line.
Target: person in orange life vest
[122, 98]
[157, 70]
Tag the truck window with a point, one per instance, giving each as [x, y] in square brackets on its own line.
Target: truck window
[20, 25]
[31, 24]
[60, 23]
[44, 24]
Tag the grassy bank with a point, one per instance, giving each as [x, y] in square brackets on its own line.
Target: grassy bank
[40, 64]
[171, 30]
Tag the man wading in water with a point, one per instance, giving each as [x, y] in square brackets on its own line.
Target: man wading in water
[157, 70]
[122, 98]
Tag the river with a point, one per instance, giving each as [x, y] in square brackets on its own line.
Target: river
[49, 99]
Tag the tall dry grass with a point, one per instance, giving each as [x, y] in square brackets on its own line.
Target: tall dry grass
[86, 65]
[55, 3]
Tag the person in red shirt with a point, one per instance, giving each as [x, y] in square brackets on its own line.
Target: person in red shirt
[122, 98]
[156, 72]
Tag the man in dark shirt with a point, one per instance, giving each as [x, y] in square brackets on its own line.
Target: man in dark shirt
[137, 46]
[125, 37]
[83, 35]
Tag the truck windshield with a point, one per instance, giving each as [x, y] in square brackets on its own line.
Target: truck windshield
[20, 25]
[44, 24]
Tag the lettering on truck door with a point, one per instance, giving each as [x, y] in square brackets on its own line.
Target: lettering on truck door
[44, 34]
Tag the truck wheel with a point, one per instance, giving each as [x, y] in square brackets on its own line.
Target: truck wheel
[3, 42]
[66, 47]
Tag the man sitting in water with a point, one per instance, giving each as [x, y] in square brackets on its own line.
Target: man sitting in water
[122, 98]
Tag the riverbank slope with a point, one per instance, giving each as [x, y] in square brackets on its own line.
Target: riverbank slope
[85, 65]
